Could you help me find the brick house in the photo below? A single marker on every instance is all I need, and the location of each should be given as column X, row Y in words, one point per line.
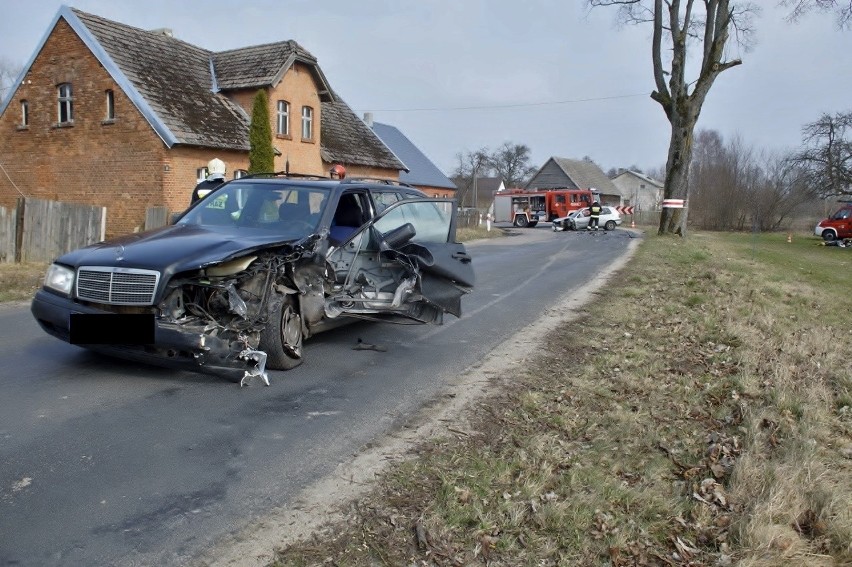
column 109, row 114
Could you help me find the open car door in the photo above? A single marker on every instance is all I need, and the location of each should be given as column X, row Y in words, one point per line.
column 404, row 263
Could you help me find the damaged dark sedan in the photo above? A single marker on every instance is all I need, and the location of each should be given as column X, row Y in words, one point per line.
column 238, row 282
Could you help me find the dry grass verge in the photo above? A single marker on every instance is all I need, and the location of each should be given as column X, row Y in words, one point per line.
column 699, row 414
column 19, row 282
column 466, row 234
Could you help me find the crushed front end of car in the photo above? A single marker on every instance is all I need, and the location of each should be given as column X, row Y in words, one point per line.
column 209, row 318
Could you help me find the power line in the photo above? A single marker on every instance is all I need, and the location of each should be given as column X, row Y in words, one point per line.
column 515, row 105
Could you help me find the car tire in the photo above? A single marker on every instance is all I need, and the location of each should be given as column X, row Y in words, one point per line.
column 829, row 236
column 282, row 337
column 610, row 225
column 521, row 221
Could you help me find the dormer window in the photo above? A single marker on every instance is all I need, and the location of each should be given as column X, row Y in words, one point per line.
column 283, row 124
column 25, row 113
column 110, row 105
column 307, row 123
column 66, row 104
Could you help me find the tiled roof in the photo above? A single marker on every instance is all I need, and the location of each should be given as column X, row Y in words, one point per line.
column 421, row 170
column 585, row 174
column 641, row 176
column 346, row 139
column 581, row 173
column 263, row 65
column 173, row 78
column 178, row 88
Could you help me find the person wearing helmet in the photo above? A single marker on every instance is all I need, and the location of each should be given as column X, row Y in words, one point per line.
column 337, row 171
column 215, row 177
column 595, row 212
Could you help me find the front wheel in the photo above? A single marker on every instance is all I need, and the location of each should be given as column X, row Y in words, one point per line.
column 610, row 225
column 828, row 236
column 282, row 337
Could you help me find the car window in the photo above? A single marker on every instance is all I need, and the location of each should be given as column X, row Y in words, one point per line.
column 431, row 220
column 385, row 199
column 842, row 214
column 293, row 211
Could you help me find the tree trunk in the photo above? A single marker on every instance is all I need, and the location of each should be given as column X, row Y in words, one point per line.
column 673, row 221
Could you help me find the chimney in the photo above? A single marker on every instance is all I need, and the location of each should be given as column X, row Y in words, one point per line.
column 368, row 119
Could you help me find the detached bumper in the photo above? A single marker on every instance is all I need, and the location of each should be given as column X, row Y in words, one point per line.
column 173, row 346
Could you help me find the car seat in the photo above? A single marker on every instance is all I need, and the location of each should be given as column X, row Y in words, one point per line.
column 347, row 219
column 298, row 211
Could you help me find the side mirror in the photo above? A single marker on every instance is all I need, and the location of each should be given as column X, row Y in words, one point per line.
column 174, row 217
column 399, row 236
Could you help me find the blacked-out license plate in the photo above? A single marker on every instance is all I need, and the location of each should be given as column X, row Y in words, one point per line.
column 112, row 329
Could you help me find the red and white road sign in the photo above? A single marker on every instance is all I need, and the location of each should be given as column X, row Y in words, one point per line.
column 673, row 203
column 625, row 209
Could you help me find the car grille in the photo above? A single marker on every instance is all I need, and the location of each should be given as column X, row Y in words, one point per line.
column 117, row 286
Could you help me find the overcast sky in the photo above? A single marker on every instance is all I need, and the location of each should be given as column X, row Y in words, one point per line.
column 458, row 75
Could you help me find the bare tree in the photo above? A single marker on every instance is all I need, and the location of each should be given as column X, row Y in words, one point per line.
column 470, row 165
column 842, row 9
column 9, row 71
column 679, row 25
column 511, row 162
column 826, row 155
column 735, row 187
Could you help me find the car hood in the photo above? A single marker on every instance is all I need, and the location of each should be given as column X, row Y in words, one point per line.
column 172, row 249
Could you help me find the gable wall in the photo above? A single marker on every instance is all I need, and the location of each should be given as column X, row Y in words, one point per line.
column 299, row 89
column 647, row 198
column 551, row 176
column 118, row 165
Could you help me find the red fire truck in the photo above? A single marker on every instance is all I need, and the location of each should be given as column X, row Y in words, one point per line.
column 527, row 208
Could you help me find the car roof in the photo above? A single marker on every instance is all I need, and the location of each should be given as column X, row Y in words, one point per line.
column 373, row 183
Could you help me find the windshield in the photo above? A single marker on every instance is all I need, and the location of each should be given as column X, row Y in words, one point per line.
column 291, row 211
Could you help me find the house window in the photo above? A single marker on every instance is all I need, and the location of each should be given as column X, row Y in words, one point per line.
column 283, row 128
column 307, row 123
column 66, row 104
column 240, row 173
column 200, row 174
column 110, row 105
column 25, row 113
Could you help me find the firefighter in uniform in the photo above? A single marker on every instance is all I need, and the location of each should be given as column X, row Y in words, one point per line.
column 595, row 213
column 215, row 177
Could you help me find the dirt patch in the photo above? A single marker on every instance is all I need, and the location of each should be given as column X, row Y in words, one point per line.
column 326, row 501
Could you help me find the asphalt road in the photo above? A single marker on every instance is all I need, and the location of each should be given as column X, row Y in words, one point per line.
column 104, row 462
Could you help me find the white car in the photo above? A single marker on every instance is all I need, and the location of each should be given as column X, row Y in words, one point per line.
column 563, row 223
column 579, row 220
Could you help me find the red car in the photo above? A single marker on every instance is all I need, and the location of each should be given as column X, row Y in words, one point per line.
column 837, row 226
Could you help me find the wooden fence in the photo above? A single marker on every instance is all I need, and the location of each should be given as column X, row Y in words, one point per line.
column 8, row 232
column 155, row 217
column 39, row 231
column 52, row 228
